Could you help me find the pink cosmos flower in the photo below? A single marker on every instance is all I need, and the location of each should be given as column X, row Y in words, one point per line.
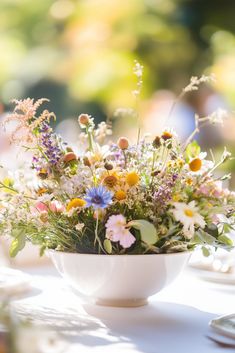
column 126, row 239
column 41, row 207
column 56, row 206
column 117, row 231
column 204, row 189
column 116, row 223
column 113, row 236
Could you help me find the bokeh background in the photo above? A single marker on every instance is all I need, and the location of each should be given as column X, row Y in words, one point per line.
column 80, row 55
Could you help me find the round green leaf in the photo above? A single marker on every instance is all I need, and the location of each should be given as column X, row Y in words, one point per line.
column 147, row 230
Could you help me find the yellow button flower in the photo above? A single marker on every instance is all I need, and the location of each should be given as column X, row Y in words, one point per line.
column 195, row 165
column 75, row 203
column 189, row 181
column 120, row 195
column 180, row 162
column 132, row 178
column 176, row 197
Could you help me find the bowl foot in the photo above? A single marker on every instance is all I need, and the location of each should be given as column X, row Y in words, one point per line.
column 122, row 303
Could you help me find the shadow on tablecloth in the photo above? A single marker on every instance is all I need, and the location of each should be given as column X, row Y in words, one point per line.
column 156, row 328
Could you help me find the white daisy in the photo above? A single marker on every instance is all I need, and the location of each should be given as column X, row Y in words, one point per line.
column 188, row 215
column 199, row 165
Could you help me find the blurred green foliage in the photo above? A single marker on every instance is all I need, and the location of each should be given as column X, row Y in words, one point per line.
column 80, row 53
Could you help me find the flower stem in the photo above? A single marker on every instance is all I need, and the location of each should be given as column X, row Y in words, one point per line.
column 180, row 96
column 125, row 158
column 97, row 239
column 2, row 185
column 90, row 139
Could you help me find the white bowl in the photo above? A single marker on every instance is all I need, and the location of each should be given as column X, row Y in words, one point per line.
column 119, row 280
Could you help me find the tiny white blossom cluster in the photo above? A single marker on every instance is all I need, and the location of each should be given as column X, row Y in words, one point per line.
column 138, row 71
column 196, row 81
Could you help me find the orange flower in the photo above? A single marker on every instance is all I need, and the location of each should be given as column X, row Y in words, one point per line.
column 42, row 191
column 132, row 178
column 74, row 203
column 195, row 165
column 166, row 135
column 120, row 195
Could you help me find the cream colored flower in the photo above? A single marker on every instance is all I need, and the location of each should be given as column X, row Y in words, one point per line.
column 189, row 216
column 79, row 226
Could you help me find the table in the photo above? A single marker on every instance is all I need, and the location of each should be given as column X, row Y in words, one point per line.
column 175, row 321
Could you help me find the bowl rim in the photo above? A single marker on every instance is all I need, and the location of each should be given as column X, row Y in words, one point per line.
column 53, row 251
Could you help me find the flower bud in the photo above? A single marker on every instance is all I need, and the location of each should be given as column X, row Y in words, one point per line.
column 157, row 142
column 70, row 156
column 86, row 162
column 108, row 166
column 155, row 173
column 84, row 119
column 43, row 174
column 123, row 143
column 69, row 149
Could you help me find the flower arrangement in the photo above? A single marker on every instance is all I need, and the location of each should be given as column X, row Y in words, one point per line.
column 153, row 196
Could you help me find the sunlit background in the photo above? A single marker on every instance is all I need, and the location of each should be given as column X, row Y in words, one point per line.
column 80, row 54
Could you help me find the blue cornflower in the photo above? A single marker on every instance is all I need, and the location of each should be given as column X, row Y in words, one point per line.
column 98, row 197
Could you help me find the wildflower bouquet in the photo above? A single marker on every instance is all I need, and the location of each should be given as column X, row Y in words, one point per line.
column 154, row 196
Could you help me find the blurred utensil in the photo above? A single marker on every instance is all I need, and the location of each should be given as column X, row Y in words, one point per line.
column 219, row 267
column 223, row 330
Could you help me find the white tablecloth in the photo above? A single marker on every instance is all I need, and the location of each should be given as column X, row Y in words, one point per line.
column 175, row 321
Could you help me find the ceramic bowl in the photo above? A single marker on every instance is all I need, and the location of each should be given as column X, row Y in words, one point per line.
column 119, row 280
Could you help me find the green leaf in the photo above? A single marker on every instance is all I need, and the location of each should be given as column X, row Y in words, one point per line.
column 205, row 237
column 147, row 230
column 226, row 240
column 108, row 246
column 172, row 246
column 192, row 150
column 205, row 251
column 212, row 230
column 18, row 243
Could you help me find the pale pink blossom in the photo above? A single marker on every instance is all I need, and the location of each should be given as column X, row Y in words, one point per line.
column 117, row 231
column 126, row 239
column 26, row 121
column 116, row 223
column 113, row 236
column 56, row 206
column 41, row 207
